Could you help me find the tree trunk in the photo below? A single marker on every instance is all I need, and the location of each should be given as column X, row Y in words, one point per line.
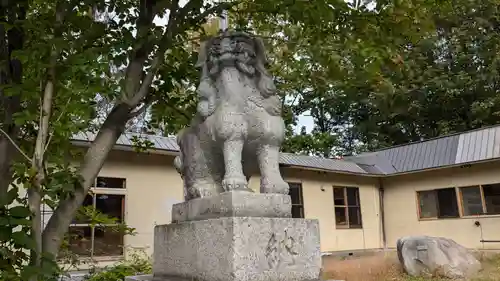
column 137, row 86
column 35, row 192
column 92, row 163
column 11, row 72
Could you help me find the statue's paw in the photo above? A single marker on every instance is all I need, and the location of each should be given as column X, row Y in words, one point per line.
column 230, row 184
column 207, row 190
column 278, row 186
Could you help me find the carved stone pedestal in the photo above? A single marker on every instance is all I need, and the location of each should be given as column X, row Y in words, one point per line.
column 239, row 249
column 233, row 204
column 235, row 248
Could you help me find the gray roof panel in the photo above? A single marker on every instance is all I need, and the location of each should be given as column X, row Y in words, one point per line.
column 496, row 143
column 170, row 144
column 478, row 145
column 467, row 147
column 320, row 163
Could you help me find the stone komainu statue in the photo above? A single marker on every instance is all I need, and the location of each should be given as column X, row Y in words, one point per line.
column 238, row 128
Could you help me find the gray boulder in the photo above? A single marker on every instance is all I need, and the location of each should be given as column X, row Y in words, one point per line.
column 436, row 256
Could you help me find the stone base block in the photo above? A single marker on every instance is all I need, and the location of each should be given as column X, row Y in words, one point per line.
column 233, row 204
column 146, row 277
column 150, row 278
column 238, row 249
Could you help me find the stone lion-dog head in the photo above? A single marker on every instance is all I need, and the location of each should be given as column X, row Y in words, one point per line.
column 231, row 48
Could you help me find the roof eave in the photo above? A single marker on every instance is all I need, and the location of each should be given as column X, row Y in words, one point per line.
column 442, row 167
column 128, row 148
column 82, row 143
column 331, row 171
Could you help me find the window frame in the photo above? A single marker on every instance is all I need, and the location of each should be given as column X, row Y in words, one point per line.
column 457, row 199
column 94, row 192
column 346, row 207
column 483, row 201
column 301, row 198
column 460, row 202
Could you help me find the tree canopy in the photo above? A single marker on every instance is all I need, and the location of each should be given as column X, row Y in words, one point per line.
column 390, row 72
column 369, row 73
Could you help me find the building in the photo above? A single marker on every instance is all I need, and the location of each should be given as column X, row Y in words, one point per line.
column 448, row 186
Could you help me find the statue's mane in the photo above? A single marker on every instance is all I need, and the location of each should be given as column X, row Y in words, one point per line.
column 257, row 60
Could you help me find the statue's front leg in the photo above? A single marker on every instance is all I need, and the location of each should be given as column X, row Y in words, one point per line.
column 234, row 179
column 271, row 180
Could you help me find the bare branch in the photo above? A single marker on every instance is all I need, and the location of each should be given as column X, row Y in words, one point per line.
column 166, row 42
column 15, row 145
column 57, row 121
column 140, row 110
column 158, row 58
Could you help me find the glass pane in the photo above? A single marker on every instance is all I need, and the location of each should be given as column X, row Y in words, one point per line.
column 340, row 216
column 447, row 203
column 471, row 200
column 106, row 182
column 428, row 204
column 80, row 242
column 111, row 205
column 354, row 217
column 338, row 196
column 352, row 196
column 108, row 242
column 297, row 211
column 80, row 215
column 492, row 198
column 295, row 193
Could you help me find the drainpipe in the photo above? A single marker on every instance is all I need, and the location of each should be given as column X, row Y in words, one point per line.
column 382, row 214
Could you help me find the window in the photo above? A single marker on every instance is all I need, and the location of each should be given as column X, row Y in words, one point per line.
column 438, row 203
column 427, row 202
column 100, row 240
column 492, row 198
column 297, row 201
column 447, row 203
column 347, row 207
column 475, row 200
column 471, row 200
column 106, row 182
column 481, row 199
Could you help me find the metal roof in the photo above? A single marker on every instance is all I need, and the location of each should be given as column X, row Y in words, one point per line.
column 461, row 148
column 169, row 144
column 159, row 142
column 320, row 163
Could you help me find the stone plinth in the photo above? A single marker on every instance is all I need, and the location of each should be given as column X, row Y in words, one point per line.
column 149, row 277
column 233, row 204
column 238, row 249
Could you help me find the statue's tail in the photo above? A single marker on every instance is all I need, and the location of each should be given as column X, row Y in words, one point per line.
column 178, row 164
column 178, row 158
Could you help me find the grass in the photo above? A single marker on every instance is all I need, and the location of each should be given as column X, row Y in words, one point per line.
column 385, row 267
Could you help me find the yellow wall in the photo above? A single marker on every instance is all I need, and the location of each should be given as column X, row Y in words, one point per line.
column 317, row 193
column 400, row 205
column 153, row 185
column 318, row 204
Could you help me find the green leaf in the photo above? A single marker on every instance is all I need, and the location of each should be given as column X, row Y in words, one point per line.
column 5, row 233
column 20, row 222
column 20, row 212
column 30, row 271
column 23, row 240
column 12, row 195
